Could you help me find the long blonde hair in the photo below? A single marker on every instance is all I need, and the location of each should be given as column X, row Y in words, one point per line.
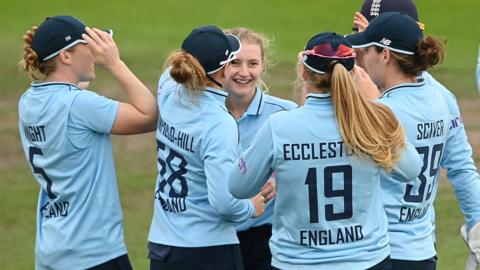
column 368, row 128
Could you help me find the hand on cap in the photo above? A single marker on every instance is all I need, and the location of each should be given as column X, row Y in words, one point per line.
column 269, row 189
column 365, row 84
column 360, row 21
column 259, row 203
column 104, row 49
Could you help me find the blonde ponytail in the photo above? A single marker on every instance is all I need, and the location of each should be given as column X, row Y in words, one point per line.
column 369, row 129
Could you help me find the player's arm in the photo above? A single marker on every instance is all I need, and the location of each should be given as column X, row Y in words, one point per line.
column 140, row 114
column 254, row 167
column 219, row 153
column 461, row 169
column 409, row 166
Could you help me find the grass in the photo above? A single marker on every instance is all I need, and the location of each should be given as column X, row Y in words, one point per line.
column 146, row 31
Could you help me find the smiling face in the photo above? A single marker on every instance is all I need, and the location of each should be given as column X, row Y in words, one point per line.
column 243, row 74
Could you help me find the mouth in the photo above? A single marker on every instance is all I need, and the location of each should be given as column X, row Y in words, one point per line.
column 242, row 81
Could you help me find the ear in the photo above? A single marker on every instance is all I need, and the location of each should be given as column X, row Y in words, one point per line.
column 65, row 57
column 386, row 56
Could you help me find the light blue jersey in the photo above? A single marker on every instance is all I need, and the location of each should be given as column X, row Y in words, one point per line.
column 261, row 107
column 65, row 137
column 457, row 159
column 197, row 142
column 431, row 119
column 328, row 211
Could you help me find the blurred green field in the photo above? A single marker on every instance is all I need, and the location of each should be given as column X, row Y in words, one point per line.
column 145, row 32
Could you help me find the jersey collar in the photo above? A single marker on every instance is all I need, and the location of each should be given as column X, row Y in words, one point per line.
column 39, row 85
column 215, row 94
column 256, row 106
column 314, row 99
column 420, row 82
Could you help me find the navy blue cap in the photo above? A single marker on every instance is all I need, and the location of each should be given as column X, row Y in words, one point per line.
column 325, row 49
column 211, row 47
column 57, row 34
column 373, row 8
column 395, row 31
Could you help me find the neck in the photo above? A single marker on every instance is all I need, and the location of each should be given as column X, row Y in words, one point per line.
column 238, row 104
column 312, row 88
column 213, row 81
column 393, row 79
column 61, row 77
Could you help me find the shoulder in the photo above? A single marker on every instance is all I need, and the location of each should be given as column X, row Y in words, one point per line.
column 284, row 116
column 278, row 103
column 166, row 84
column 215, row 118
column 87, row 98
column 432, row 82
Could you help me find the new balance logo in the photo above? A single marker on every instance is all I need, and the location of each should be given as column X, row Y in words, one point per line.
column 385, row 41
column 67, row 38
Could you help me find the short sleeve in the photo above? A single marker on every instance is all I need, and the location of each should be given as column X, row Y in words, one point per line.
column 93, row 112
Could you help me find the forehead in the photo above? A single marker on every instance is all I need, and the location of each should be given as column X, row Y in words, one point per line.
column 250, row 51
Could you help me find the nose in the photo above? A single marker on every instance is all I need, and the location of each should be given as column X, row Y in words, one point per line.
column 243, row 70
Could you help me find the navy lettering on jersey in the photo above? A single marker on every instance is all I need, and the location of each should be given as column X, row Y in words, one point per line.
column 36, row 133
column 337, row 236
column 55, row 209
column 408, row 214
column 314, row 151
column 175, row 182
column 178, row 137
column 430, row 130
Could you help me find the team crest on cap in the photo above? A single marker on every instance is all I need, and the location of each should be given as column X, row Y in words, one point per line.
column 385, row 41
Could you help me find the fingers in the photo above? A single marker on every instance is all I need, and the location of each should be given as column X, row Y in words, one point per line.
column 104, row 36
column 360, row 16
column 93, row 35
column 269, row 190
column 360, row 21
column 91, row 38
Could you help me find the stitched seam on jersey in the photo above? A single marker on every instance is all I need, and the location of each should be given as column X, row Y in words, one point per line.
column 55, row 83
column 419, row 84
column 260, row 102
column 283, row 108
column 218, row 94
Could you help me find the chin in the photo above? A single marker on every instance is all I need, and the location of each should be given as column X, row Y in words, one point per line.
column 243, row 89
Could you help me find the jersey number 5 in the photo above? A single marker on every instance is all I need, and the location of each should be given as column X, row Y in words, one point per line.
column 32, row 151
column 329, row 192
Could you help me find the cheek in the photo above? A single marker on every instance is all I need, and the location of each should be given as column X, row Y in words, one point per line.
column 256, row 72
column 229, row 72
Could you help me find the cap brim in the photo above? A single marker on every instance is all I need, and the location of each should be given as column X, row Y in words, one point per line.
column 358, row 40
column 109, row 32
